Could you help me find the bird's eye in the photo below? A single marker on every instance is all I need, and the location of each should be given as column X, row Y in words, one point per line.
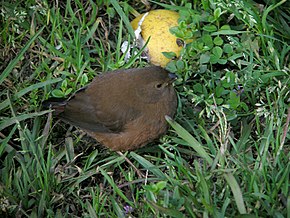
column 158, row 85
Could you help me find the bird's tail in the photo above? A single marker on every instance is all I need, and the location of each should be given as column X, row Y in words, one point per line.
column 57, row 104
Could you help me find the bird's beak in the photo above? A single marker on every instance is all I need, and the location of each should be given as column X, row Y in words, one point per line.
column 172, row 77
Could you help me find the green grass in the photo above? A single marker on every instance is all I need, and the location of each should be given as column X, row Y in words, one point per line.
column 226, row 153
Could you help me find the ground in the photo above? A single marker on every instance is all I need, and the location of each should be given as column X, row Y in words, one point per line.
column 227, row 149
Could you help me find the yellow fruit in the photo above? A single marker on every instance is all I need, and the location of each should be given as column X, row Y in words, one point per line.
column 157, row 24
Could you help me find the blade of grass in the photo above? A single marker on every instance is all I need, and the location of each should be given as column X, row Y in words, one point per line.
column 12, row 64
column 228, row 32
column 149, row 166
column 123, row 17
column 119, row 212
column 118, row 46
column 167, row 211
column 132, row 60
column 267, row 11
column 92, row 30
column 13, row 120
column 203, row 184
column 236, row 192
column 169, row 7
column 190, row 140
column 4, row 143
column 29, row 89
column 288, row 206
column 114, row 186
column 91, row 210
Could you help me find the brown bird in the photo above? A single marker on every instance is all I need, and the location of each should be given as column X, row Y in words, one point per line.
column 122, row 109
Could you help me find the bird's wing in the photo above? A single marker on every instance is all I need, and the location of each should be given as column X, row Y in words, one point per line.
column 98, row 112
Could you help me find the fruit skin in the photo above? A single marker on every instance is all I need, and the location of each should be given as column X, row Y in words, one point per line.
column 157, row 24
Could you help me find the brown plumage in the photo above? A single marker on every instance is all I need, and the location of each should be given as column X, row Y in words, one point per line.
column 122, row 109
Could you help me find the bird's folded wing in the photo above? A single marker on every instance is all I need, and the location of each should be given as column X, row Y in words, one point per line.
column 96, row 114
